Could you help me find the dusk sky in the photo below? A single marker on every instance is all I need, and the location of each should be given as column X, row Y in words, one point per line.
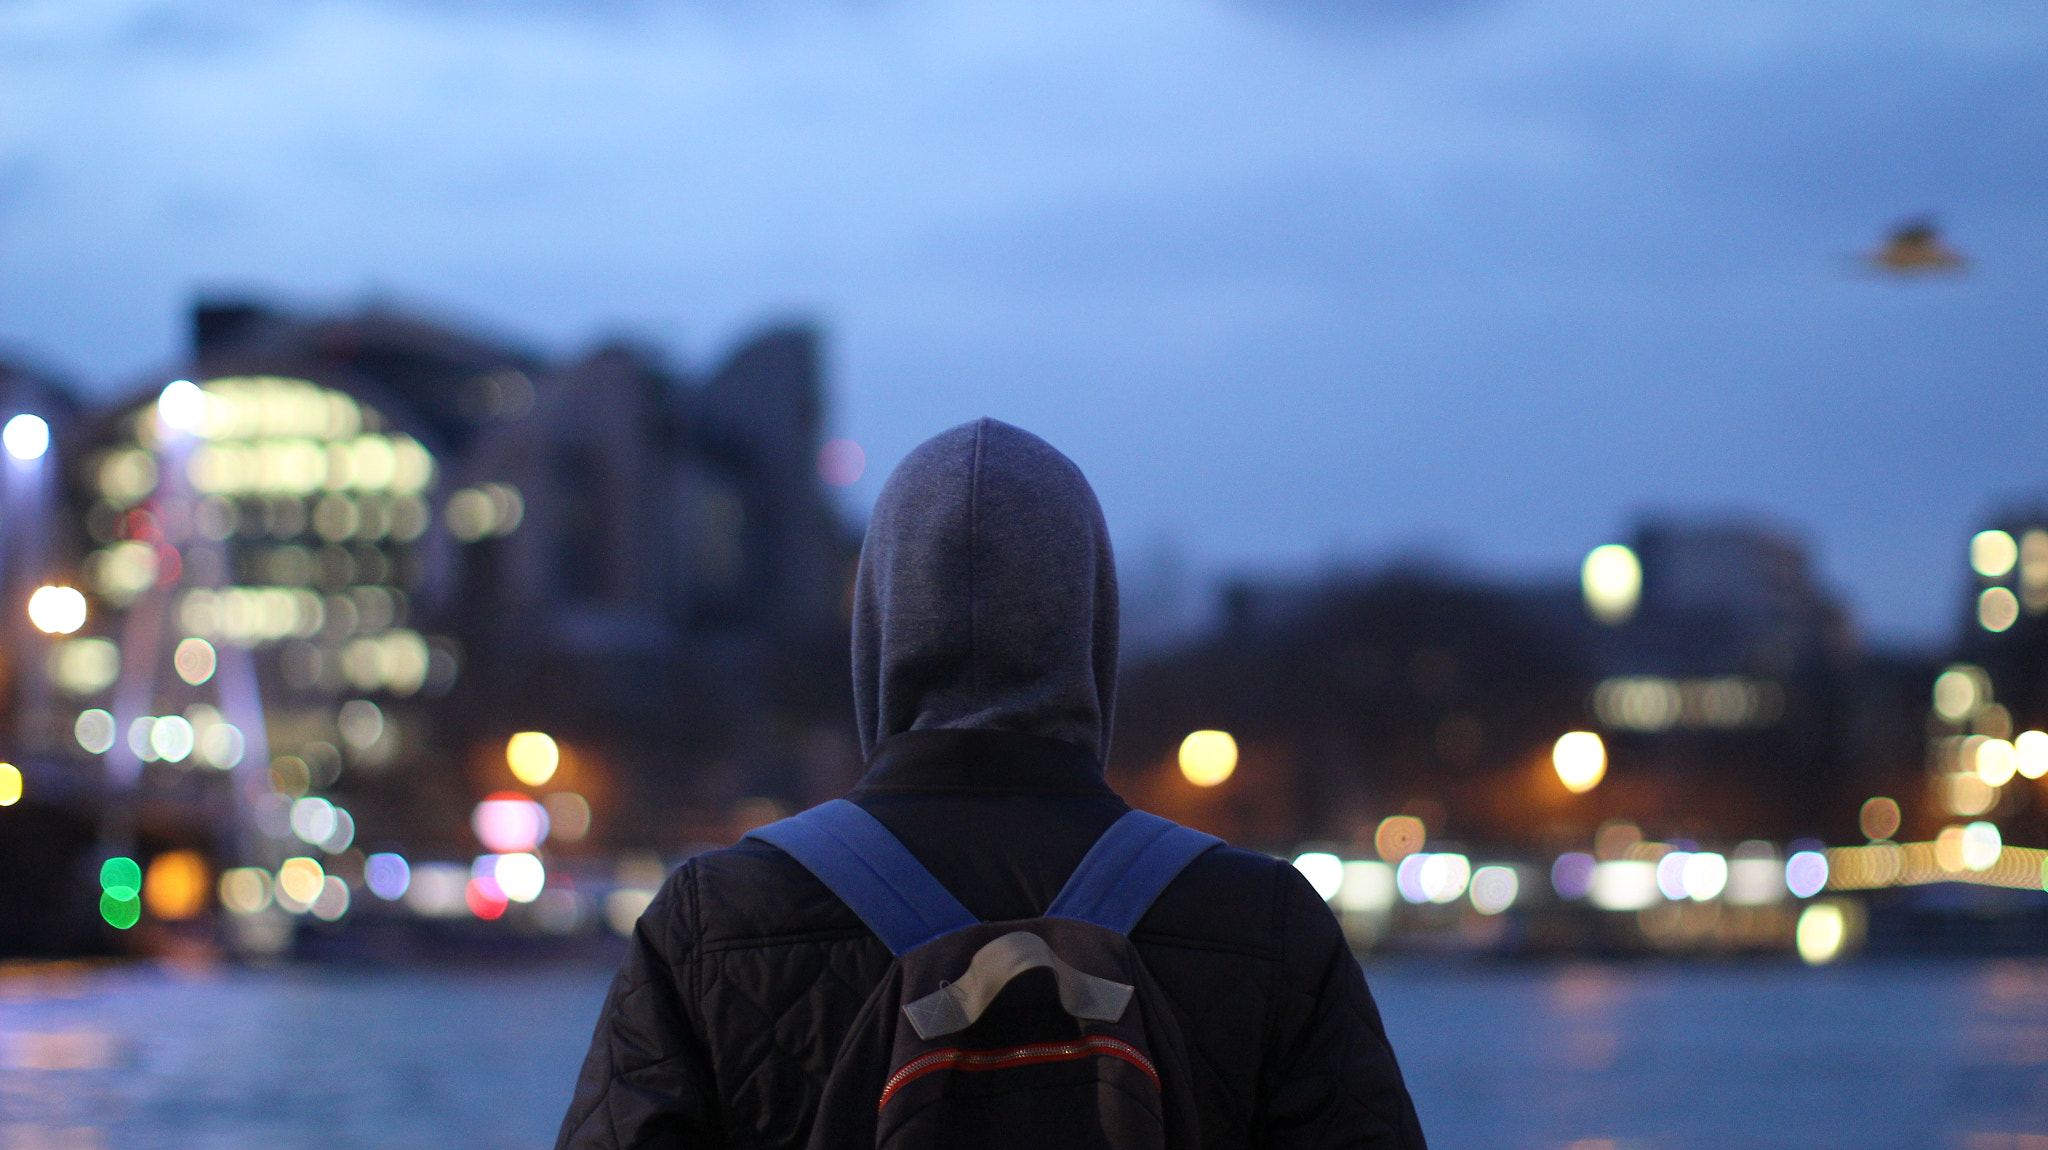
column 1296, row 282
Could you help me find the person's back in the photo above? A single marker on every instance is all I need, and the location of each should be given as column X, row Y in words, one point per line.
column 984, row 665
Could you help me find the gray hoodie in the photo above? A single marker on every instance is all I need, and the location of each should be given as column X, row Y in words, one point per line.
column 986, row 596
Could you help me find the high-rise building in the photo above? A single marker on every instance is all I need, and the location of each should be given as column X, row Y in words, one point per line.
column 334, row 563
column 1988, row 707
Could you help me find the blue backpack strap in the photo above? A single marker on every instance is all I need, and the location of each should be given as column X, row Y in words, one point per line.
column 1127, row 869
column 871, row 871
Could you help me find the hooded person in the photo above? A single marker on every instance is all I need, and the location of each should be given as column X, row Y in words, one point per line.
column 984, row 672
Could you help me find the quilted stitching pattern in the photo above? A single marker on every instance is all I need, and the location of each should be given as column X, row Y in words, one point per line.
column 724, row 1023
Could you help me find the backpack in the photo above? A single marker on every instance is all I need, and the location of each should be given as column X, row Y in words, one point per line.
column 1042, row 1032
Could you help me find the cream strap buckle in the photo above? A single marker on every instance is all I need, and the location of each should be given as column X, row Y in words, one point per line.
column 955, row 1006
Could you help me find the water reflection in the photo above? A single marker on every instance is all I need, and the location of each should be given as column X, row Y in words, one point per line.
column 1588, row 1056
column 1699, row 1056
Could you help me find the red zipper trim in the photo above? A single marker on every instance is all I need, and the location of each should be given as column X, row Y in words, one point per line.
column 953, row 1058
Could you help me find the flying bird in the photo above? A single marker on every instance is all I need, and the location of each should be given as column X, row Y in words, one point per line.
column 1915, row 248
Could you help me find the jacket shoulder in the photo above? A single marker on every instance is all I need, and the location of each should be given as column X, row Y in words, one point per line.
column 754, row 893
column 1227, row 899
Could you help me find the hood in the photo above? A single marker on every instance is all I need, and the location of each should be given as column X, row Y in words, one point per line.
column 986, row 597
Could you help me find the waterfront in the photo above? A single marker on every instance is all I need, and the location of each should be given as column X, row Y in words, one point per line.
column 1648, row 1056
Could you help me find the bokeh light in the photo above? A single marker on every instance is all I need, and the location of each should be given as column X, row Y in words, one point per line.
column 222, row 745
column 313, row 820
column 520, row 876
column 533, row 757
column 1443, row 877
column 1968, row 794
column 1408, row 879
column 85, row 666
column 181, row 405
column 299, row 882
column 387, row 875
column 57, row 610
column 1612, row 580
column 361, row 723
column 1368, row 887
column 1996, row 762
column 1755, row 876
column 1822, row 930
column 1806, row 872
column 484, row 899
column 94, row 730
column 1997, row 609
column 343, row 834
column 1981, row 846
column 484, row 872
column 1571, row 876
column 623, row 908
column 1879, row 818
column 1625, row 884
column 194, row 660
column 1494, row 889
column 1207, row 758
column 508, row 821
column 170, row 738
column 121, row 877
column 120, row 892
column 1323, row 870
column 1993, row 553
column 1580, row 759
column 120, row 913
column 332, row 900
column 176, row 886
column 2030, row 753
column 1399, row 836
column 492, row 509
column 10, row 784
column 1960, row 690
column 1705, row 876
column 1948, row 849
column 1671, row 874
column 245, row 890
column 26, row 436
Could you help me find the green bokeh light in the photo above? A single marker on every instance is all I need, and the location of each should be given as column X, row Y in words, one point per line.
column 121, row 879
column 120, row 912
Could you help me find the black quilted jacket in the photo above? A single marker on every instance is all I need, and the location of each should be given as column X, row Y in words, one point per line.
column 745, row 972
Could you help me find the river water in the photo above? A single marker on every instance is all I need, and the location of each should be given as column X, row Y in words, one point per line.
column 1578, row 1056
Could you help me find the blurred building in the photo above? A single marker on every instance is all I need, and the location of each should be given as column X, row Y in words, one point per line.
column 2003, row 623
column 49, row 826
column 356, row 553
column 1723, row 681
column 1987, row 710
column 1726, row 692
column 1350, row 698
column 649, row 568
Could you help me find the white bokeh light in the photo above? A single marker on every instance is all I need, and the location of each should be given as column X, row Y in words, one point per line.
column 181, row 405
column 27, row 437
